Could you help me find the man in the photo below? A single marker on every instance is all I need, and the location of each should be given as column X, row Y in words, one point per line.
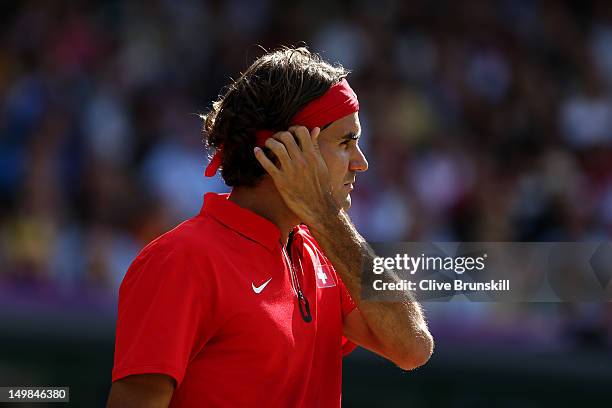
column 254, row 301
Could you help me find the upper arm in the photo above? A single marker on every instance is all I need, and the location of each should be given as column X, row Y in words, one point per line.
column 163, row 292
column 141, row 391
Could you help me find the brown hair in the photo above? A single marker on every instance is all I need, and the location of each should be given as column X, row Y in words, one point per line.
column 266, row 96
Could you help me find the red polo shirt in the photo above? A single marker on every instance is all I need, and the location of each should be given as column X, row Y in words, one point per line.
column 212, row 304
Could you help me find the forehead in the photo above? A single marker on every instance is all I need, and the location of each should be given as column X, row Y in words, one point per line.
column 341, row 127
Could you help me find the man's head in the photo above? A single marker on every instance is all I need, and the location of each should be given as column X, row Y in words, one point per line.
column 267, row 96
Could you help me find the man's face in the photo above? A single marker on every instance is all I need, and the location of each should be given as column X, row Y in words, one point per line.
column 339, row 148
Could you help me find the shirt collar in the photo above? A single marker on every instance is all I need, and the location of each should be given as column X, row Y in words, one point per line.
column 243, row 221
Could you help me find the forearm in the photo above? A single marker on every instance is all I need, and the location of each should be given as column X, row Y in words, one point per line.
column 399, row 326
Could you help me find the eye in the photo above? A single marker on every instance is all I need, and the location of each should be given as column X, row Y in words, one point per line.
column 349, row 140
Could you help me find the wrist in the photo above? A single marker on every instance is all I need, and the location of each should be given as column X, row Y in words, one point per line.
column 329, row 214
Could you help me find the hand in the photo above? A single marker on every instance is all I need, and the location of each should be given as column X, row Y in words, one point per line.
column 301, row 177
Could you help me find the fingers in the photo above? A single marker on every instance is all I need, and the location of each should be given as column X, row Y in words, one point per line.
column 290, row 144
column 305, row 137
column 287, row 151
column 280, row 151
column 265, row 162
column 315, row 137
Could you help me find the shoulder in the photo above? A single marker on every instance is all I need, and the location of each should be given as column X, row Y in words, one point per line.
column 305, row 233
column 307, row 237
column 190, row 238
column 175, row 268
column 182, row 251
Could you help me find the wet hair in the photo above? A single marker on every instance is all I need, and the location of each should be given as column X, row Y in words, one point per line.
column 267, row 95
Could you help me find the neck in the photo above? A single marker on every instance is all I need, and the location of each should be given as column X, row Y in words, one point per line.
column 265, row 201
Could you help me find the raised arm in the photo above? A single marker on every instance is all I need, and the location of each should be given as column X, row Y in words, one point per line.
column 396, row 330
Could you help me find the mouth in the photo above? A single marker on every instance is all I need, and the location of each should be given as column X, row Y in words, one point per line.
column 349, row 185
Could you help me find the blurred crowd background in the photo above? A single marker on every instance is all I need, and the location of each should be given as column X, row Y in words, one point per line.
column 482, row 121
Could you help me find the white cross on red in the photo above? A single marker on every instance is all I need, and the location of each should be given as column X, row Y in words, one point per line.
column 322, row 276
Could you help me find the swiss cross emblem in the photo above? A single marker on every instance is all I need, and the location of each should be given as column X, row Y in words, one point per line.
column 322, row 271
column 323, row 274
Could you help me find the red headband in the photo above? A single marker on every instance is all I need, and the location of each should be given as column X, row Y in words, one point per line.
column 339, row 100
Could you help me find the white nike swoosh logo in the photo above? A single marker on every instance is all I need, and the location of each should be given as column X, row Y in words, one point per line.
column 258, row 289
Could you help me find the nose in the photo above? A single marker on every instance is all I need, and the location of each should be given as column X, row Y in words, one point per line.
column 358, row 162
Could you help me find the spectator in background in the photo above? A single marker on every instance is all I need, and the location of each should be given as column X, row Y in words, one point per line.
column 497, row 100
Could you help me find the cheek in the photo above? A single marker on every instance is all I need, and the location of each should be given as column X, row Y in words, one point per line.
column 336, row 160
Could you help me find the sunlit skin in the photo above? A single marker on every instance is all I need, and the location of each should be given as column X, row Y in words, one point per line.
column 339, row 146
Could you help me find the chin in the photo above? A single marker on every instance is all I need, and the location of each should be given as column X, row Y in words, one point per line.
column 343, row 200
column 345, row 203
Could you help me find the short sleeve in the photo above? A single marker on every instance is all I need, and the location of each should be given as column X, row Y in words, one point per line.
column 165, row 314
column 347, row 305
